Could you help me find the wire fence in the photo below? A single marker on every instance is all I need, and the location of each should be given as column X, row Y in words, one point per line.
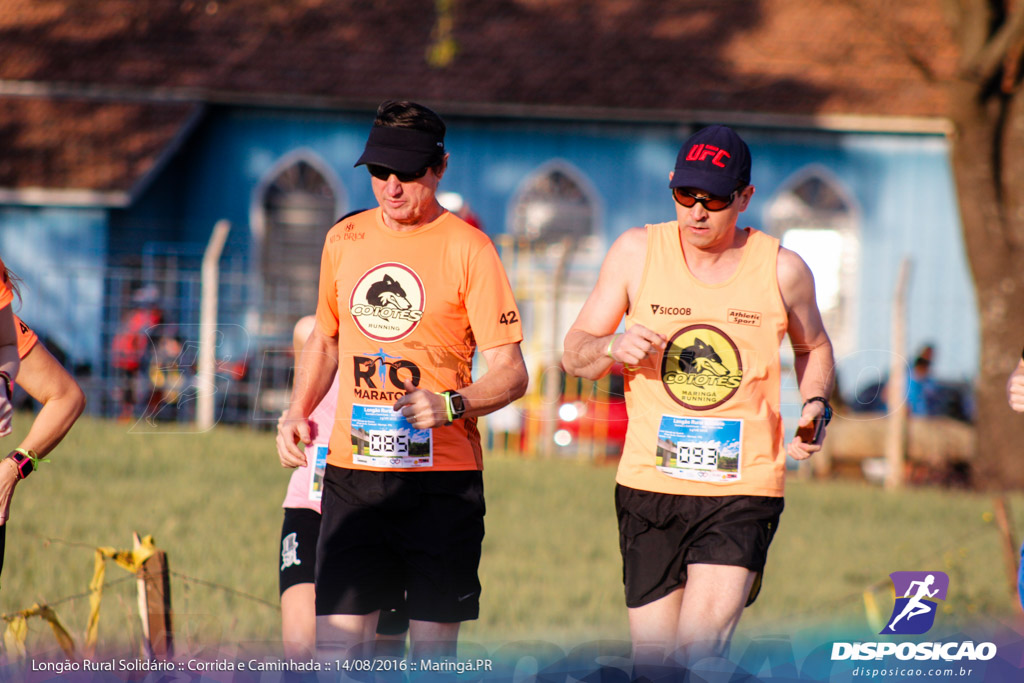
column 76, row 642
column 136, row 355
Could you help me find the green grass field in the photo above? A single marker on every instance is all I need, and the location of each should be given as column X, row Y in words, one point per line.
column 550, row 567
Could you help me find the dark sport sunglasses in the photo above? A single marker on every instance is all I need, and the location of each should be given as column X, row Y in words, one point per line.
column 708, row 201
column 382, row 173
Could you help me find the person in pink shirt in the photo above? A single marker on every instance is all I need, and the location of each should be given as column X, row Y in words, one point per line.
column 301, row 529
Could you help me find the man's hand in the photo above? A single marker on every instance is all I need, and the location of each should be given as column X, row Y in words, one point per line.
column 636, row 344
column 1015, row 388
column 291, row 431
column 796, row 448
column 423, row 409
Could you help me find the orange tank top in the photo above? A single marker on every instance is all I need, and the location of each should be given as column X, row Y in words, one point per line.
column 704, row 419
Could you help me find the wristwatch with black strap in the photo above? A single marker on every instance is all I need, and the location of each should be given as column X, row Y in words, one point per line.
column 454, row 404
column 827, row 415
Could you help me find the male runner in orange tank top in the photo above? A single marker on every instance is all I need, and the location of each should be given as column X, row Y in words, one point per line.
column 700, row 483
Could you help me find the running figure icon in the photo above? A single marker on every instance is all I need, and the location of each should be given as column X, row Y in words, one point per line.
column 915, row 605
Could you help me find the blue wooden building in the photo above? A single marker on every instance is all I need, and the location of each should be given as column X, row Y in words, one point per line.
column 122, row 152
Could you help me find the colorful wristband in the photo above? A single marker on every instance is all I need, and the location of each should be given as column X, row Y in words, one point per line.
column 609, row 351
column 26, row 460
column 448, row 411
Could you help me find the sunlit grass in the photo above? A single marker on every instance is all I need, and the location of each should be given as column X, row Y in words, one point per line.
column 550, row 569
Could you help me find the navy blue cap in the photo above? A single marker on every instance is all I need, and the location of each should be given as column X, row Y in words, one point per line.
column 403, row 150
column 714, row 159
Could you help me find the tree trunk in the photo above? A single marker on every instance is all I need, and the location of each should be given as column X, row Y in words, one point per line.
column 988, row 166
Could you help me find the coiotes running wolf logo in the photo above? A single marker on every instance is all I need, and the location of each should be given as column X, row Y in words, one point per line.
column 387, row 302
column 701, row 368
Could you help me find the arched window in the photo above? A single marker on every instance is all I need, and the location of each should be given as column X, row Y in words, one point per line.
column 554, row 203
column 814, row 216
column 297, row 204
column 554, row 224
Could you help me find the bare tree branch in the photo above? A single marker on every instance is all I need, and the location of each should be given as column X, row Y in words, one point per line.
column 989, row 59
column 970, row 21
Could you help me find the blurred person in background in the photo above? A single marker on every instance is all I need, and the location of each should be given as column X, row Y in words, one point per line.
column 457, row 204
column 130, row 353
column 300, row 531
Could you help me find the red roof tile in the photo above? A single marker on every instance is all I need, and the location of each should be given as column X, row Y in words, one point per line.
column 83, row 144
column 769, row 57
column 778, row 56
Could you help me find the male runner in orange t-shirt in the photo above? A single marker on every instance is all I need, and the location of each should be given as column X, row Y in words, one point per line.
column 700, row 482
column 408, row 293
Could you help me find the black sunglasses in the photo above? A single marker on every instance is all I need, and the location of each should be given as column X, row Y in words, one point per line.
column 708, row 201
column 383, row 173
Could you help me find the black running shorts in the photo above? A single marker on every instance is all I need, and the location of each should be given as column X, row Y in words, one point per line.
column 299, row 533
column 661, row 534
column 385, row 534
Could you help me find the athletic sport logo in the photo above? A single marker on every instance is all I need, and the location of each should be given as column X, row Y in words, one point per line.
column 290, row 551
column 701, row 368
column 914, row 613
column 387, row 302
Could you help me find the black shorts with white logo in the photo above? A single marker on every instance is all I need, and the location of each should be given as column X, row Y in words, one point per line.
column 385, row 534
column 299, row 533
column 661, row 534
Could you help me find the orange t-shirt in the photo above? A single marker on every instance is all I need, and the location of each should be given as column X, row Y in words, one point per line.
column 6, row 293
column 409, row 306
column 26, row 337
column 704, row 419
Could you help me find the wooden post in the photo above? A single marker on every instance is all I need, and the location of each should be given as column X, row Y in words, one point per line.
column 896, row 390
column 1010, row 550
column 206, row 372
column 154, row 581
column 552, row 376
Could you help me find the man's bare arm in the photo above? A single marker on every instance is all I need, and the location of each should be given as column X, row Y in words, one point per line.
column 591, row 345
column 504, row 381
column 812, row 349
column 313, row 376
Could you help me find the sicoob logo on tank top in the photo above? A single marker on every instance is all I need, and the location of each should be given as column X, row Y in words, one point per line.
column 387, row 302
column 701, row 368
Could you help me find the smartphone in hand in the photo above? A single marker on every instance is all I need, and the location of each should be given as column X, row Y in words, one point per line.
column 812, row 433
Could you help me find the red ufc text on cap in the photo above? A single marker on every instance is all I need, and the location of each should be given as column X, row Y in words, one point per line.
column 701, row 152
